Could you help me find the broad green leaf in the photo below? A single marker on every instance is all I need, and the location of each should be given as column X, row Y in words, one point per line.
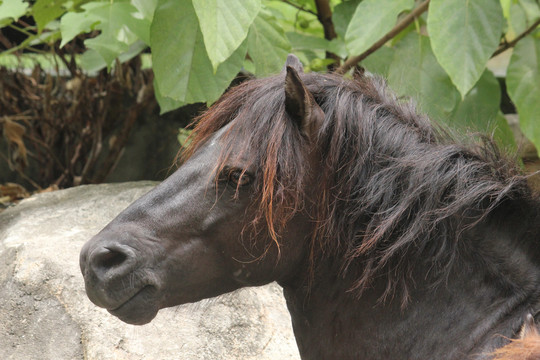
column 517, row 21
column 92, row 61
column 505, row 6
column 11, row 10
column 108, row 47
column 342, row 15
column 479, row 111
column 502, row 133
column 249, row 66
column 119, row 29
column 531, row 8
column 523, row 83
column 75, row 23
column 480, row 106
column 415, row 72
column 379, row 62
column 303, row 42
column 319, row 64
column 464, row 34
column 224, row 25
column 371, row 20
column 45, row 11
column 166, row 104
column 145, row 7
column 267, row 45
column 118, row 21
column 181, row 65
column 183, row 136
column 523, row 13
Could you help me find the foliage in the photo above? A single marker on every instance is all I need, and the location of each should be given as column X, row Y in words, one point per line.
column 199, row 46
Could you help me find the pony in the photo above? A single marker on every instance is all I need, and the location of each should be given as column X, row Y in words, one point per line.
column 391, row 239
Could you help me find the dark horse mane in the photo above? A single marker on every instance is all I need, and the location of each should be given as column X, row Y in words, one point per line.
column 393, row 186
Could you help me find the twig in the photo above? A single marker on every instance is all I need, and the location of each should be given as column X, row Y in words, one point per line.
column 69, row 64
column 4, row 41
column 301, row 8
column 22, row 30
column 22, row 174
column 507, row 45
column 406, row 21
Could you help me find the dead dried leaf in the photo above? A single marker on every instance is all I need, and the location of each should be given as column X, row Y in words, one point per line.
column 13, row 192
column 13, row 133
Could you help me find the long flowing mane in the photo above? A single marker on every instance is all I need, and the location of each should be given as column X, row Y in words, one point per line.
column 392, row 185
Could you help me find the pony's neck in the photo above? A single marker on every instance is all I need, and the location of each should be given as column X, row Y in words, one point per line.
column 480, row 303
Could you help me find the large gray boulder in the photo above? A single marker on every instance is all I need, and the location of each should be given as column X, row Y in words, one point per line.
column 45, row 314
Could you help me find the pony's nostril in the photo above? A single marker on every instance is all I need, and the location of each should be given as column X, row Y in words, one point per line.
column 108, row 259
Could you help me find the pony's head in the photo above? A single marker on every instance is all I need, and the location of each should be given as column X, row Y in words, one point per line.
column 234, row 214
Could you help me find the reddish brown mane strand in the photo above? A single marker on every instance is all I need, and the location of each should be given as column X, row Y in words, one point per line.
column 270, row 142
column 527, row 348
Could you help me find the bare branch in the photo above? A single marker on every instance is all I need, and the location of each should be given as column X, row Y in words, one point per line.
column 406, row 21
column 301, row 8
column 507, row 45
column 324, row 14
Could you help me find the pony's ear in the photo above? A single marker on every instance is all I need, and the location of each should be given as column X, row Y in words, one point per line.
column 294, row 62
column 300, row 104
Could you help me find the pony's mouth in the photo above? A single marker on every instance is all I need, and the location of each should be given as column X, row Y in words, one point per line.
column 139, row 309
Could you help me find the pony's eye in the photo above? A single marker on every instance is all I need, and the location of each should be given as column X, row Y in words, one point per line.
column 239, row 177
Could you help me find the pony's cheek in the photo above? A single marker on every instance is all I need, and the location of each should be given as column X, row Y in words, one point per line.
column 193, row 271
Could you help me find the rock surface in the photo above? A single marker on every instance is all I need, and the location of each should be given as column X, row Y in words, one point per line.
column 45, row 314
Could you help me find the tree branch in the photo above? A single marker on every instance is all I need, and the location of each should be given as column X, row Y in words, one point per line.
column 324, row 14
column 507, row 45
column 301, row 8
column 406, row 21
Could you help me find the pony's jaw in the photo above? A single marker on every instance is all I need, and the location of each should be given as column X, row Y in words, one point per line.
column 146, row 276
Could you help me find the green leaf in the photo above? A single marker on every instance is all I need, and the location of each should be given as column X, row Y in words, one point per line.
column 479, row 108
column 109, row 48
column 145, row 7
column 523, row 83
column 181, row 65
column 92, row 61
column 301, row 42
column 479, row 111
column 464, row 34
column 379, row 62
column 11, row 10
column 517, row 20
column 166, row 104
column 75, row 23
column 183, row 136
column 45, row 11
column 267, row 45
column 502, row 133
column 505, row 6
column 415, row 72
column 342, row 15
column 532, row 10
column 119, row 29
column 371, row 21
column 224, row 25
